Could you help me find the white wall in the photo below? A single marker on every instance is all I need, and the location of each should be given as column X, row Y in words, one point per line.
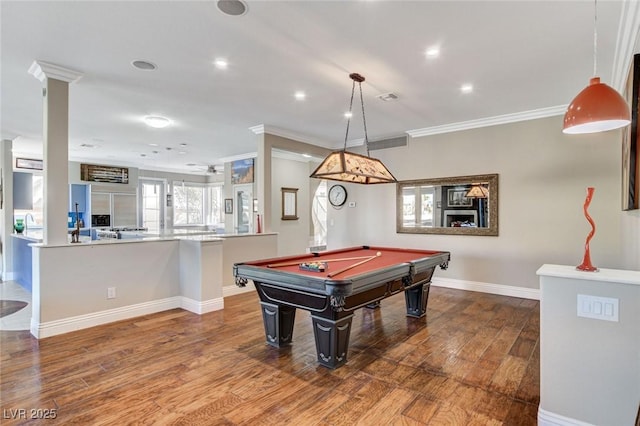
column 293, row 234
column 543, row 176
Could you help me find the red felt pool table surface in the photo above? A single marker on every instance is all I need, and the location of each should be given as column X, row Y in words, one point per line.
column 388, row 257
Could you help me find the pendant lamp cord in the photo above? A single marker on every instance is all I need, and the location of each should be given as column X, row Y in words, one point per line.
column 595, row 38
column 353, row 88
column 356, row 77
column 364, row 120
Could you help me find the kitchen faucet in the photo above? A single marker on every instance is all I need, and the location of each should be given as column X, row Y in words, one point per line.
column 26, row 222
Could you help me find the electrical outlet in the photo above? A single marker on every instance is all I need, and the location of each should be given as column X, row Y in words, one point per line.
column 111, row 293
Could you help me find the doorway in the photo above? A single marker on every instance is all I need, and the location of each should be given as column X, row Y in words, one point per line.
column 152, row 211
column 243, row 208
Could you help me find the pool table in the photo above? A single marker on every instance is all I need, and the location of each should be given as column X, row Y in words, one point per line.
column 331, row 285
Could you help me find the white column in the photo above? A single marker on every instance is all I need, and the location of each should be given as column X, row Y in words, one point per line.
column 55, row 147
column 6, row 209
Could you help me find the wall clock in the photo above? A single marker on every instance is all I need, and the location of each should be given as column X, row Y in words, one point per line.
column 337, row 195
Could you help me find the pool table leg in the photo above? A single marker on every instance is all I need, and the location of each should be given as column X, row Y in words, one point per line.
column 332, row 340
column 416, row 299
column 278, row 323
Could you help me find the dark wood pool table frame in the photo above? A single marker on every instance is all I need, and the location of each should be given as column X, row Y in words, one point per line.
column 332, row 301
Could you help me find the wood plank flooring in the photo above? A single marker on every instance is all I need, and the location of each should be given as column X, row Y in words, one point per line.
column 474, row 360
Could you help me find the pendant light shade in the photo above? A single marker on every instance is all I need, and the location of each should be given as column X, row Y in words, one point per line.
column 477, row 191
column 347, row 166
column 597, row 108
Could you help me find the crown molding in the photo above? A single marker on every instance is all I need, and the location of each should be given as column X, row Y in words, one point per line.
column 233, row 158
column 43, row 70
column 489, row 121
column 626, row 44
column 283, row 133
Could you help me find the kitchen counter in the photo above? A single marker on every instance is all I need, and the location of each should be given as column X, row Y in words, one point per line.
column 36, row 236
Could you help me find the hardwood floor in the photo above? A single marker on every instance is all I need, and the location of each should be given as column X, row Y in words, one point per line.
column 473, row 361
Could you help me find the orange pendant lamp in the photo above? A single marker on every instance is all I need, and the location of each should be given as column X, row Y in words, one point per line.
column 598, row 107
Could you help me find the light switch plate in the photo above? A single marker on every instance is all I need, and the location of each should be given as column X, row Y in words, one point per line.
column 596, row 307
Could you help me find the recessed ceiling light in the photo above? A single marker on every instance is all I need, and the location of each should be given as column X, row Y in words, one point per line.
column 183, row 144
column 156, row 121
column 191, row 164
column 306, row 155
column 348, row 114
column 221, row 63
column 143, row 155
column 153, row 144
column 466, row 88
column 144, row 65
column 87, row 145
column 432, row 52
column 232, row 7
column 299, row 95
column 182, row 152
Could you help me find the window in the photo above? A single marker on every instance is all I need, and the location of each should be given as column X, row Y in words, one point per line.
column 319, row 214
column 215, row 206
column 188, row 203
column 198, row 204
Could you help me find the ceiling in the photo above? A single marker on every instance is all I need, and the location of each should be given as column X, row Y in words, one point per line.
column 529, row 57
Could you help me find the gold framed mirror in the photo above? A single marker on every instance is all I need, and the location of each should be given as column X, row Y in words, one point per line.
column 289, row 203
column 458, row 205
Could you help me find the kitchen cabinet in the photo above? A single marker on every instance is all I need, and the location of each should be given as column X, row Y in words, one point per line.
column 124, row 210
column 22, row 191
column 122, row 207
column 100, row 203
column 78, row 194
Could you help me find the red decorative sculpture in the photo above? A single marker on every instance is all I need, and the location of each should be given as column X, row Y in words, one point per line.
column 586, row 262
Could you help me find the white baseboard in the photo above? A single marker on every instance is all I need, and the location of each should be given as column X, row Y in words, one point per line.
column 232, row 290
column 66, row 325
column 547, row 418
column 503, row 290
column 202, row 307
column 8, row 276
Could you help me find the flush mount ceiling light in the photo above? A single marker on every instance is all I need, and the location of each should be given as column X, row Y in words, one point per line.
column 598, row 107
column 156, row 121
column 346, row 166
column 300, row 95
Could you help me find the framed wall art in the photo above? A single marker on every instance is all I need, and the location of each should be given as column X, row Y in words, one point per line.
column 630, row 151
column 242, row 171
column 105, row 174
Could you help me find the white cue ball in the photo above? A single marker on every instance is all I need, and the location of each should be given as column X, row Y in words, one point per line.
column 379, row 254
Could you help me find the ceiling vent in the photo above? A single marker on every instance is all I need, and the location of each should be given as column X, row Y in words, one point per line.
column 388, row 143
column 144, row 65
column 388, row 97
column 232, row 7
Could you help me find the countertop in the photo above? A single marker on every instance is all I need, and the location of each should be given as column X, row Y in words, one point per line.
column 35, row 236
